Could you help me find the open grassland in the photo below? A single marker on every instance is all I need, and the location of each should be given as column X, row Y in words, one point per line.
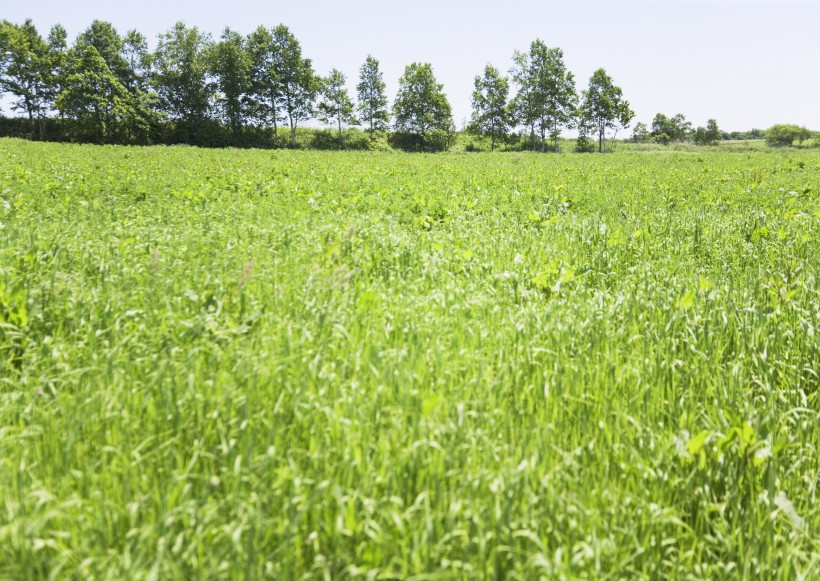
column 228, row 364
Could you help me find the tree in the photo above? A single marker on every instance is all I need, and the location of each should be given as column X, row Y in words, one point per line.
column 230, row 64
column 26, row 62
column 109, row 46
column 709, row 135
column 548, row 98
column 263, row 97
column 372, row 98
column 139, row 61
column 335, row 106
column 490, row 108
column 785, row 135
column 181, row 74
column 641, row 133
column 713, row 132
column 524, row 106
column 667, row 129
column 128, row 60
column 297, row 83
column 99, row 102
column 55, row 66
column 421, row 108
column 603, row 107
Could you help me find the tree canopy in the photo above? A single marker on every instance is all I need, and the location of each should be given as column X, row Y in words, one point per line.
column 192, row 88
column 546, row 101
column 372, row 98
column 335, row 106
column 603, row 108
column 421, row 108
column 491, row 112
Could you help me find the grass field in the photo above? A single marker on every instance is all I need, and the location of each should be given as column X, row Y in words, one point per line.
column 246, row 364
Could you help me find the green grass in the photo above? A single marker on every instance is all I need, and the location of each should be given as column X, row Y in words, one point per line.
column 244, row 364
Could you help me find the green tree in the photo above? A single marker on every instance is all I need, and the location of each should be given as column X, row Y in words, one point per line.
column 490, row 114
column 661, row 129
column 55, row 66
column 785, row 135
column 335, row 106
column 138, row 59
column 372, row 98
column 230, row 64
column 524, row 106
column 263, row 100
column 99, row 102
column 709, row 135
column 667, row 129
column 181, row 76
column 603, row 107
column 26, row 66
column 549, row 100
column 641, row 133
column 297, row 83
column 713, row 132
column 128, row 60
column 421, row 109
column 110, row 47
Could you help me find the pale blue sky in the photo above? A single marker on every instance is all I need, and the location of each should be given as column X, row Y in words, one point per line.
column 745, row 63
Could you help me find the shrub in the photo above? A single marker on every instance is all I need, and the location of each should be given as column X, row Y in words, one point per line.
column 584, row 144
column 786, row 135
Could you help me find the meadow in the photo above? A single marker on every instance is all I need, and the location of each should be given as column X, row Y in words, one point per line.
column 224, row 364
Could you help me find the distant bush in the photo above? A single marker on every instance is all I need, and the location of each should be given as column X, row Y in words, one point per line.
column 810, row 143
column 438, row 140
column 584, row 144
column 786, row 135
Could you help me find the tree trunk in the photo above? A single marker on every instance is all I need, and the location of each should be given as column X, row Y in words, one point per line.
column 29, row 110
column 340, row 133
column 275, row 123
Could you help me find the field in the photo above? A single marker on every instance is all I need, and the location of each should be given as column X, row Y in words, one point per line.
column 272, row 364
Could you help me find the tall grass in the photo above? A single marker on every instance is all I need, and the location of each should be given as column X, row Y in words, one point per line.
column 224, row 364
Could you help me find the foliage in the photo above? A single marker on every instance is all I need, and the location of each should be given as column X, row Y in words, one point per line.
column 297, row 84
column 670, row 129
column 786, row 135
column 640, row 134
column 101, row 105
column 423, row 116
column 745, row 135
column 181, row 76
column 335, row 106
column 29, row 68
column 491, row 114
column 293, row 365
column 546, row 100
column 230, row 64
column 104, row 81
column 603, row 108
column 263, row 97
column 373, row 106
column 710, row 135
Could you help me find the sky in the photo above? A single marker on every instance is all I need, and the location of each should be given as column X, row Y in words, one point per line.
column 746, row 63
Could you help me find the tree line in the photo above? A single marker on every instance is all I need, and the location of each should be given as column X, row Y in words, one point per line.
column 666, row 130
column 111, row 88
column 242, row 90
